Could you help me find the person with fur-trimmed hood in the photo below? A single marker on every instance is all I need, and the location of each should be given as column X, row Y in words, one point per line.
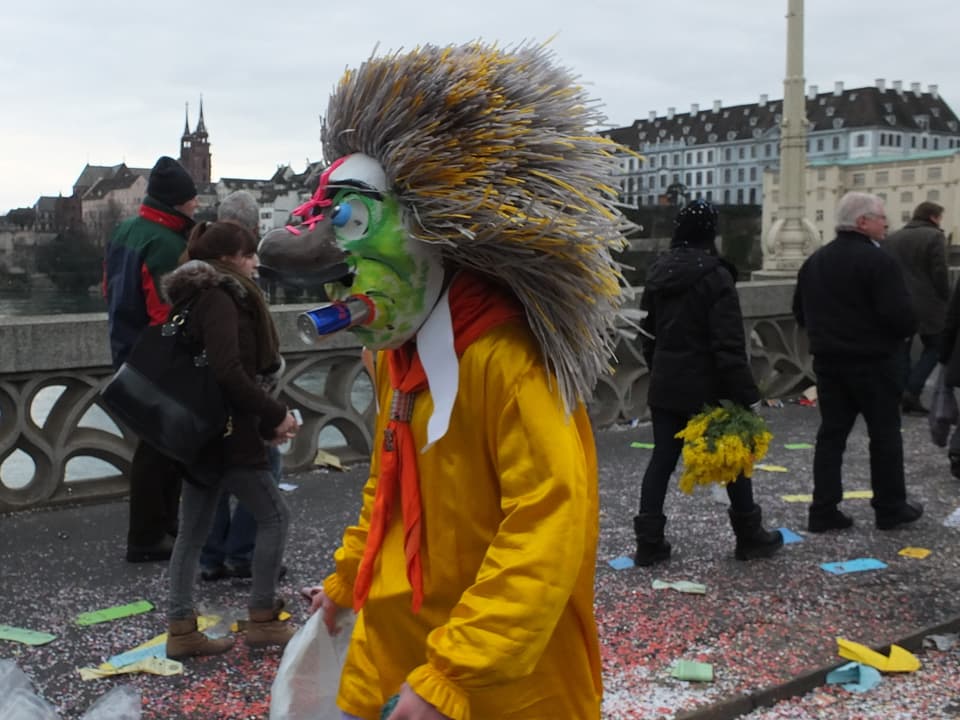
column 467, row 206
column 228, row 316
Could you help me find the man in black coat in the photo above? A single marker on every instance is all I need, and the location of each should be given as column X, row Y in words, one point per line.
column 921, row 249
column 853, row 302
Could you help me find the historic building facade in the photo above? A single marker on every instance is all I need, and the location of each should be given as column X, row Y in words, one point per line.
column 195, row 149
column 721, row 153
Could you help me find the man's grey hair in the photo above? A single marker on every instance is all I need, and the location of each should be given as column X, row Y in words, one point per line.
column 853, row 206
column 241, row 208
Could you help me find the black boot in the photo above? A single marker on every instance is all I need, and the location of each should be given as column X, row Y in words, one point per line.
column 651, row 547
column 753, row 541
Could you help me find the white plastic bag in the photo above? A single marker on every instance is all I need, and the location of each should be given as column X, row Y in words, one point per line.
column 121, row 703
column 309, row 674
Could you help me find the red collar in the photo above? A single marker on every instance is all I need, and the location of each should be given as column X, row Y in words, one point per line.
column 177, row 223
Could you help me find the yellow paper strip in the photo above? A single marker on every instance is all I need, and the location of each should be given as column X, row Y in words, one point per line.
column 849, row 495
column 900, row 660
column 154, row 666
column 914, row 552
column 771, row 468
column 328, row 459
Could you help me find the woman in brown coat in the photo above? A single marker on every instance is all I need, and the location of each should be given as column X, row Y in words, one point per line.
column 228, row 315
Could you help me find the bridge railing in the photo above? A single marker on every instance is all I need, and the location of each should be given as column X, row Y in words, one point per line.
column 59, row 444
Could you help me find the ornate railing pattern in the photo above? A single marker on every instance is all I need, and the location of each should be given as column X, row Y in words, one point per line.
column 58, row 444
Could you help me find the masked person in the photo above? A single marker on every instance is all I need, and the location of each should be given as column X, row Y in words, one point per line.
column 475, row 228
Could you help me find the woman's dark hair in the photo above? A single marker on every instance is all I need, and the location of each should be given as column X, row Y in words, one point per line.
column 213, row 240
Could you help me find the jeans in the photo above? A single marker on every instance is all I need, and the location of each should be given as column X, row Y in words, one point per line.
column 663, row 461
column 155, row 482
column 232, row 538
column 916, row 374
column 847, row 388
column 257, row 490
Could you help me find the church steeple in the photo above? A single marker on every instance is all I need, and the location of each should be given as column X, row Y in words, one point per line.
column 186, row 119
column 201, row 128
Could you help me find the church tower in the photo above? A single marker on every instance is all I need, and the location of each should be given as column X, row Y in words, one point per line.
column 195, row 149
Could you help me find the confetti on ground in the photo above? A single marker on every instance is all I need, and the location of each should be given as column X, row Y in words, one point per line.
column 855, row 677
column 914, row 552
column 789, row 536
column 27, row 637
column 153, row 666
column 771, row 468
column 684, row 586
column 953, row 519
column 852, row 566
column 621, row 563
column 288, row 487
column 642, row 445
column 114, row 613
column 898, row 659
column 941, row 642
column 848, row 495
column 692, row 671
column 798, row 446
column 328, row 459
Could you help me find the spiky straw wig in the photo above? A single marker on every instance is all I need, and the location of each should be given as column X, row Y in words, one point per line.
column 492, row 153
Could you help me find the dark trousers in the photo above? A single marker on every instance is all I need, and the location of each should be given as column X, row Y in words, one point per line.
column 233, row 536
column 663, row 461
column 916, row 373
column 845, row 389
column 155, row 482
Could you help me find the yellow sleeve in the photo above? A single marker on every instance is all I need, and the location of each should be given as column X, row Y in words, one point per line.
column 503, row 622
column 339, row 585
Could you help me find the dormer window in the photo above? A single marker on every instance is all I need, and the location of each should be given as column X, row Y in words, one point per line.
column 830, row 111
column 891, row 119
column 712, row 137
column 686, row 129
column 753, row 121
column 935, row 111
column 708, row 127
column 851, row 97
column 746, row 111
column 731, row 135
column 837, row 123
column 888, row 107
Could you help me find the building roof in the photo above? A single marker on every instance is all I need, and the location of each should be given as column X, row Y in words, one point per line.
column 106, row 185
column 92, row 173
column 873, row 106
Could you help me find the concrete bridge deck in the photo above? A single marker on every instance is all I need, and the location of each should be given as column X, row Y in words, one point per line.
column 761, row 624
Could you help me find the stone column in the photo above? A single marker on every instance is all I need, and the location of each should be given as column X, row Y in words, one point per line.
column 792, row 237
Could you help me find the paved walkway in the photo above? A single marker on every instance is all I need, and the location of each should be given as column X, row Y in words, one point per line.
column 760, row 624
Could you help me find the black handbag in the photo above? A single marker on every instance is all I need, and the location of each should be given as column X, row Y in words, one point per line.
column 167, row 394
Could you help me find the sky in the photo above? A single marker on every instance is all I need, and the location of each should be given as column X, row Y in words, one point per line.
column 92, row 81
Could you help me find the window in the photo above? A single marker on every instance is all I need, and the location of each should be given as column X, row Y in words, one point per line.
column 726, row 176
column 821, row 174
column 709, row 158
column 664, row 161
column 861, row 140
column 651, row 179
column 753, row 196
column 699, row 178
column 753, row 151
column 907, row 175
column 906, row 197
column 753, row 174
column 651, row 199
column 767, row 150
column 859, row 179
column 933, row 195
column 709, row 178
column 676, row 159
column 740, row 196
column 741, row 153
column 924, row 143
column 913, row 141
column 905, row 216
column 689, row 177
column 653, row 161
column 727, row 154
column 689, row 158
column 836, row 143
column 726, row 197
column 775, row 196
column 663, row 181
column 740, row 175
column 934, row 173
column 883, row 177
column 819, row 216
column 819, row 144
column 699, row 157
column 709, row 196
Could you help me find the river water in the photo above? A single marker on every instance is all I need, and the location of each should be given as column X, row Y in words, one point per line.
column 48, row 301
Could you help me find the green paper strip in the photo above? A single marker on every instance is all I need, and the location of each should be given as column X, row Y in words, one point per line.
column 27, row 637
column 642, row 446
column 798, row 446
column 694, row 671
column 114, row 613
column 684, row 586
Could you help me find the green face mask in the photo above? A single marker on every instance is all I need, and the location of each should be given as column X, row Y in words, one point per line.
column 401, row 275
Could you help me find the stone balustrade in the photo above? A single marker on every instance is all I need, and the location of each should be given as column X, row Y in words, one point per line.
column 58, row 444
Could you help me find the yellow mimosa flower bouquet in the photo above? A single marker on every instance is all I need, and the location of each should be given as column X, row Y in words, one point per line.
column 720, row 444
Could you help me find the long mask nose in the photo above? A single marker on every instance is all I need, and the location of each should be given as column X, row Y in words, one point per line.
column 305, row 259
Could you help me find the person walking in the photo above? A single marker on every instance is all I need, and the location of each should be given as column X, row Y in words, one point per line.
column 228, row 315
column 141, row 250
column 693, row 342
column 228, row 552
column 921, row 250
column 852, row 299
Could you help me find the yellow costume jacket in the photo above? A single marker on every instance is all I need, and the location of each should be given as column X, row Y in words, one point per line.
column 510, row 522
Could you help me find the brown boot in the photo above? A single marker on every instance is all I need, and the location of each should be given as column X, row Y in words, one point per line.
column 185, row 641
column 265, row 629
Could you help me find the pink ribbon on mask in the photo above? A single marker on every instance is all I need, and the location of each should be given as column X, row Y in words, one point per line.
column 318, row 200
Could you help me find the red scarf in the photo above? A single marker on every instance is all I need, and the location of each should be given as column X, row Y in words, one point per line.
column 475, row 307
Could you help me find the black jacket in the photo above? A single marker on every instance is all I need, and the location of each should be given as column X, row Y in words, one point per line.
column 692, row 335
column 949, row 354
column 851, row 298
column 921, row 249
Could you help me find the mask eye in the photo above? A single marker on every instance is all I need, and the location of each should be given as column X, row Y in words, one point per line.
column 351, row 218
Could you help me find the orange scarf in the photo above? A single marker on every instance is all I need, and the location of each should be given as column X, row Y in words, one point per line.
column 475, row 307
